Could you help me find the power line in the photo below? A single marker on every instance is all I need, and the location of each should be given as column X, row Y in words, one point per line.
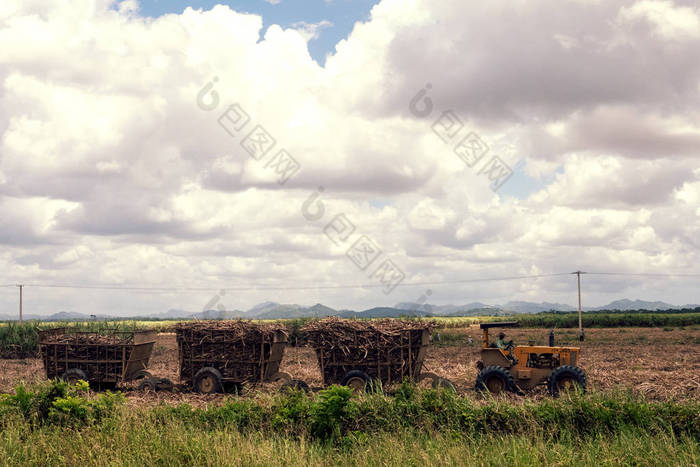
column 299, row 287
column 643, row 274
column 340, row 286
column 492, row 279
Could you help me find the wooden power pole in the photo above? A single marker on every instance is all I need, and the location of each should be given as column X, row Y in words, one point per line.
column 580, row 310
column 20, row 302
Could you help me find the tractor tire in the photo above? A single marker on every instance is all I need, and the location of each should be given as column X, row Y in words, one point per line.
column 357, row 380
column 495, row 379
column 566, row 377
column 208, row 381
column 73, row 375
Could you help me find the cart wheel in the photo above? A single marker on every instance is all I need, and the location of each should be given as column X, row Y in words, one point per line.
column 142, row 374
column 73, row 375
column 147, row 385
column 208, row 381
column 164, row 384
column 356, row 380
column 295, row 384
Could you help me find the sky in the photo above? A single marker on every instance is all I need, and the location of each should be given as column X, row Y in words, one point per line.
column 354, row 153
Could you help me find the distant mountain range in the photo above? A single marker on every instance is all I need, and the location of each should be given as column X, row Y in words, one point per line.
column 273, row 310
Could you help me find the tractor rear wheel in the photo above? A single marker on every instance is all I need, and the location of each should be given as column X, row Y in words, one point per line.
column 208, row 381
column 495, row 379
column 566, row 378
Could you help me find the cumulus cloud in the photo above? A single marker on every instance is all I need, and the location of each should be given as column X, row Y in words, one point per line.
column 120, row 161
column 668, row 20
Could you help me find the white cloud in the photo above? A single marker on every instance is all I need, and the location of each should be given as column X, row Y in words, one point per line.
column 110, row 172
column 668, row 20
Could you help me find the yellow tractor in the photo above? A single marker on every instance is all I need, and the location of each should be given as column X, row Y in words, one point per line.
column 518, row 368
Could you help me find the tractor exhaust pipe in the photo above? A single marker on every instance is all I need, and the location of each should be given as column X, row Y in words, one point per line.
column 551, row 337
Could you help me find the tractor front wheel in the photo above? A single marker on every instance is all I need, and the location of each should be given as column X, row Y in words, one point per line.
column 566, row 378
column 495, row 379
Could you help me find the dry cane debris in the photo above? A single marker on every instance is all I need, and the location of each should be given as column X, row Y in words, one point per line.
column 388, row 349
column 88, row 338
column 240, row 350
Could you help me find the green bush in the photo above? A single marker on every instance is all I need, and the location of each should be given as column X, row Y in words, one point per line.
column 292, row 413
column 337, row 415
column 58, row 403
column 332, row 412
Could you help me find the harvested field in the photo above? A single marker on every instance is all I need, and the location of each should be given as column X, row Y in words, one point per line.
column 661, row 364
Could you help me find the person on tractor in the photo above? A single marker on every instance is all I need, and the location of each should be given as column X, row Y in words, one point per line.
column 501, row 342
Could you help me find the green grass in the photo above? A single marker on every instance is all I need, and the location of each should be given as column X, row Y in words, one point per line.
column 335, row 427
column 133, row 443
column 19, row 340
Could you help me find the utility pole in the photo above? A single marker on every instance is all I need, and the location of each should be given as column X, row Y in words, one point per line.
column 580, row 310
column 20, row 302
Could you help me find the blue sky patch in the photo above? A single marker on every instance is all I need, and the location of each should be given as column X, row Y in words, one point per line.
column 342, row 14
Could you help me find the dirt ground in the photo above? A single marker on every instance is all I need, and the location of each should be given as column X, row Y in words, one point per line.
column 660, row 363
